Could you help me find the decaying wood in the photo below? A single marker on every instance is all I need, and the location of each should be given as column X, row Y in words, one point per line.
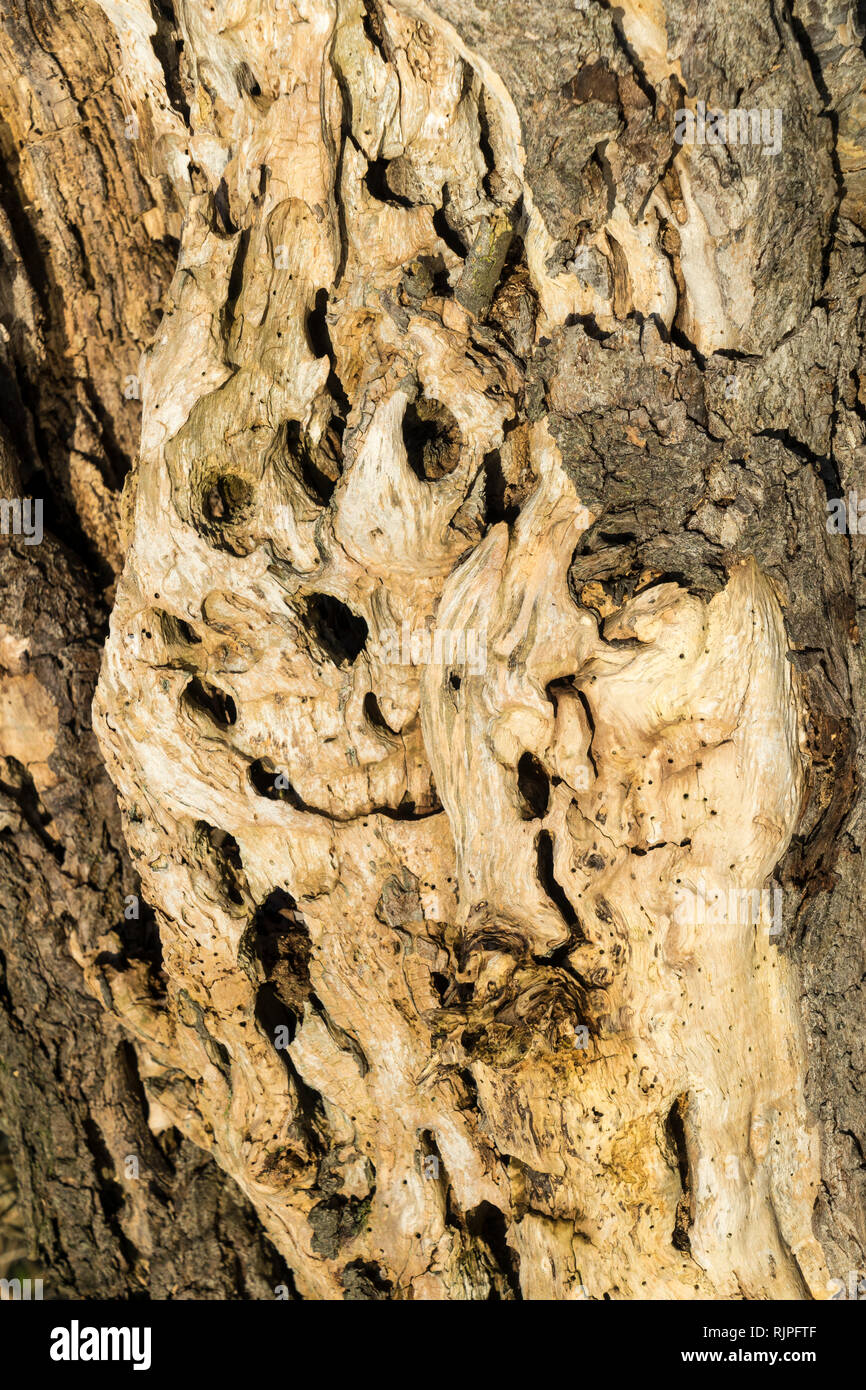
column 103, row 1208
column 483, row 688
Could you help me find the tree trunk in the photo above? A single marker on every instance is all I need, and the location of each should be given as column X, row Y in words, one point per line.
column 104, row 1208
column 483, row 685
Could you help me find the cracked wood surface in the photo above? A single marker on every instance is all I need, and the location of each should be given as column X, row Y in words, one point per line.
column 461, row 339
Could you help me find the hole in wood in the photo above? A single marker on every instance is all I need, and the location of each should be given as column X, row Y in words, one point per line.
column 227, row 499
column 432, row 439
column 533, row 784
column 339, row 631
column 201, row 698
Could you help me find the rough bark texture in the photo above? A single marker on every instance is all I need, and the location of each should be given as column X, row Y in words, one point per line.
column 104, row 1209
column 472, row 978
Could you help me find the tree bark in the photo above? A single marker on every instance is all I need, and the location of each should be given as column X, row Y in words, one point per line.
column 103, row 1207
column 483, row 686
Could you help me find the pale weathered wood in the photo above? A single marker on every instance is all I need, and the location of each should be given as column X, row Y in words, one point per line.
column 482, row 665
